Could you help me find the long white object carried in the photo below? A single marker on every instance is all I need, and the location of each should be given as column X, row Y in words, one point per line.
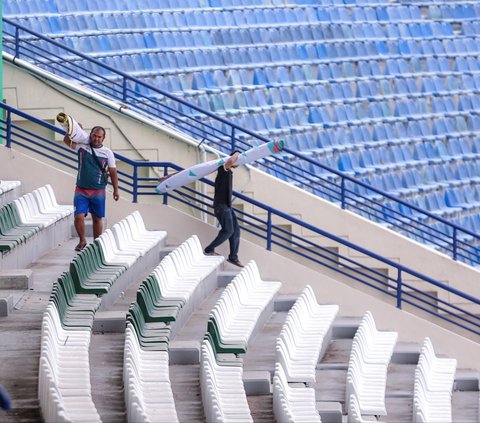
column 72, row 128
column 201, row 170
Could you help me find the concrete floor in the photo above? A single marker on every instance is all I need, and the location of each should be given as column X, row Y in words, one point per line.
column 20, row 336
column 20, row 348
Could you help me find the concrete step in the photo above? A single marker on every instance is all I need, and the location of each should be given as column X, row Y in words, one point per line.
column 467, row 380
column 345, row 326
column 185, row 382
column 88, row 227
column 6, row 303
column 106, row 375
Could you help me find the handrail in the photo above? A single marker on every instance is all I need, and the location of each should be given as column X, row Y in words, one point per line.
column 452, row 239
column 399, row 286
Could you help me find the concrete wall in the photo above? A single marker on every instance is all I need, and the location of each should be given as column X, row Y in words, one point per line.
column 34, row 173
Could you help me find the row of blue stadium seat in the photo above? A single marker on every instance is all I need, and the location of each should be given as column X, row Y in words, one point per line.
column 470, row 27
column 254, row 16
column 339, row 67
column 231, row 33
column 389, row 155
column 289, row 50
column 433, row 185
column 35, row 6
column 15, row 7
column 407, row 159
column 364, row 162
column 382, row 127
column 428, row 189
column 453, row 11
column 261, row 93
column 280, row 100
column 230, row 93
column 367, row 132
column 273, row 98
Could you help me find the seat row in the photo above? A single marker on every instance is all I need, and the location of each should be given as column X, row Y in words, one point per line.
column 64, row 388
column 300, row 341
column 210, row 32
column 241, row 16
column 148, row 391
column 434, row 379
column 178, row 283
column 101, row 263
column 165, row 300
column 237, row 313
column 453, row 12
column 292, row 404
column 64, row 371
column 28, row 215
column 404, row 58
column 12, row 7
column 7, row 188
column 230, row 96
column 223, row 393
column 368, row 365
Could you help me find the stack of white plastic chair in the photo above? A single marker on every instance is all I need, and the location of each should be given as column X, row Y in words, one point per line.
column 223, row 394
column 115, row 249
column 40, row 208
column 181, row 273
column 131, row 235
column 6, row 186
column 300, row 341
column 8, row 191
column 148, row 391
column 112, row 254
column 434, row 379
column 237, row 311
column 368, row 365
column 64, row 372
column 354, row 415
column 45, row 197
column 293, row 404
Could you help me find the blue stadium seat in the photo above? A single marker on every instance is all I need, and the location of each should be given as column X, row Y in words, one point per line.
column 323, row 139
column 455, row 198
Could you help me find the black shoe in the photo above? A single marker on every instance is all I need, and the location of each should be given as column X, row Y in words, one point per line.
column 237, row 262
column 213, row 253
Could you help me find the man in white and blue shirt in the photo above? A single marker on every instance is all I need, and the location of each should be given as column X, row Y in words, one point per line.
column 92, row 180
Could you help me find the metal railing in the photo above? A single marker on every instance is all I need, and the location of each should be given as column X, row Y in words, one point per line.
column 399, row 284
column 349, row 193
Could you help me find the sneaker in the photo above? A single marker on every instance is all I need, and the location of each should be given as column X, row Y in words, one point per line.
column 213, row 253
column 237, row 262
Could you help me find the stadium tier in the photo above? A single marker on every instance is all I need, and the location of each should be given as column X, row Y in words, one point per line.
column 377, row 90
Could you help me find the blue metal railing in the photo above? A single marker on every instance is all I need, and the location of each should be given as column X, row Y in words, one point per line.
column 349, row 193
column 399, row 284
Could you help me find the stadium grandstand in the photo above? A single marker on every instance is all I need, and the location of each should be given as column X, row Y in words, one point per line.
column 360, row 296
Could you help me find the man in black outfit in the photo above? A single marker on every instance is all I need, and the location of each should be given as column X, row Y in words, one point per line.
column 222, row 205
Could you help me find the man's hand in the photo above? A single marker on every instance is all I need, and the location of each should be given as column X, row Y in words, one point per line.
column 69, row 142
column 116, row 194
column 230, row 163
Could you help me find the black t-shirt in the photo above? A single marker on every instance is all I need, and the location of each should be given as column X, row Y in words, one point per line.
column 223, row 187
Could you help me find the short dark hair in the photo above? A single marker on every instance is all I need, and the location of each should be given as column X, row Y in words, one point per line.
column 99, row 127
column 235, row 151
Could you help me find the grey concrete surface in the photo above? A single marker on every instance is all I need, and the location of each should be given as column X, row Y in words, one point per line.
column 20, row 348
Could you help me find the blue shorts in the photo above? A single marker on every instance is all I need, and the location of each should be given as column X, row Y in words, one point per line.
column 89, row 200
